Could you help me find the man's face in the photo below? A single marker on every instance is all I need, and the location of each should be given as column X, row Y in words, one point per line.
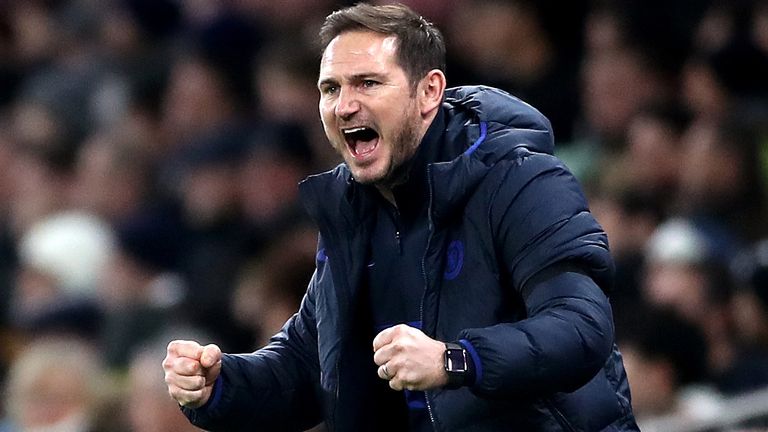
column 369, row 113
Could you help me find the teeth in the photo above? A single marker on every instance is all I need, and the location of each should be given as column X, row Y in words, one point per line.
column 353, row 130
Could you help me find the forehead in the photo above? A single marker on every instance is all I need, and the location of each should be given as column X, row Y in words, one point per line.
column 359, row 52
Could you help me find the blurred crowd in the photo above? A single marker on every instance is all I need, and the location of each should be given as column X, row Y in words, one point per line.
column 150, row 151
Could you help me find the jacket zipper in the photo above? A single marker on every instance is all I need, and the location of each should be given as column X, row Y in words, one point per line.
column 336, row 395
column 559, row 416
column 398, row 236
column 426, row 280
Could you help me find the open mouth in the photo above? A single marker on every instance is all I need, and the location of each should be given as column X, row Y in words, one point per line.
column 361, row 140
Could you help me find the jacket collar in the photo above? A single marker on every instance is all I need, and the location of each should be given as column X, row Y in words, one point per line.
column 477, row 127
column 410, row 195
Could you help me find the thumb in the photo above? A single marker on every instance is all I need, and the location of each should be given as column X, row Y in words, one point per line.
column 210, row 356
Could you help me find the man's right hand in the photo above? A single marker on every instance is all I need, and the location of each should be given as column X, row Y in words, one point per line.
column 190, row 371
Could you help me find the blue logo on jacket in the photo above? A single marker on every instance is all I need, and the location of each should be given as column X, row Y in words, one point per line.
column 321, row 256
column 454, row 259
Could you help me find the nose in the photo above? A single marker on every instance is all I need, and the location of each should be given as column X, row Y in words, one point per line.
column 347, row 104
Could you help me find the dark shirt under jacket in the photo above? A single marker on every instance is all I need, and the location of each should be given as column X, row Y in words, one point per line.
column 395, row 275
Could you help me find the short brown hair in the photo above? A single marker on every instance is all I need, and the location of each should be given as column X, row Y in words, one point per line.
column 420, row 45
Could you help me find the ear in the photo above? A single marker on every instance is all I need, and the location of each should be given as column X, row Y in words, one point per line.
column 430, row 91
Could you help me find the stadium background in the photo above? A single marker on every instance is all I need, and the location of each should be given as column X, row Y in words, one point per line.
column 149, row 151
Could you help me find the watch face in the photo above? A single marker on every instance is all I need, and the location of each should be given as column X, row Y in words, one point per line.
column 455, row 360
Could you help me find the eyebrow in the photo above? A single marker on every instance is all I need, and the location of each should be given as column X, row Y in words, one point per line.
column 354, row 78
column 326, row 81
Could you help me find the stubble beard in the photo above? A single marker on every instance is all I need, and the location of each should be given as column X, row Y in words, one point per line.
column 404, row 147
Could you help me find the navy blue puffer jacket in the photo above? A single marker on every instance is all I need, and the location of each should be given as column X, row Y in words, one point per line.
column 515, row 265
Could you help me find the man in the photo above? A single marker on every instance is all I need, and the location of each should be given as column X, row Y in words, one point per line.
column 452, row 242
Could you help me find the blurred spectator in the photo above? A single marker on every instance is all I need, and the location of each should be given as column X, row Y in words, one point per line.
column 208, row 177
column 210, row 85
column 70, row 70
column 683, row 275
column 653, row 160
column 285, row 79
column 618, row 78
column 138, row 39
column 279, row 156
column 629, row 218
column 532, row 59
column 676, row 277
column 289, row 16
column 213, row 237
column 701, row 91
column 197, row 100
column 720, row 182
column 759, row 26
column 663, row 354
column 8, row 256
column 751, row 271
column 269, row 290
column 725, row 73
column 61, row 260
column 616, row 84
column 112, row 177
column 149, row 407
column 750, row 315
column 227, row 43
column 41, row 170
column 727, row 80
column 57, row 385
column 632, row 60
column 140, row 288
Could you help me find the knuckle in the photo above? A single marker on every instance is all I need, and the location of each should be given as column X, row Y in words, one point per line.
column 176, row 364
column 177, row 367
column 186, row 366
column 411, row 377
column 173, row 346
column 169, row 361
column 192, row 370
column 397, row 364
column 176, row 393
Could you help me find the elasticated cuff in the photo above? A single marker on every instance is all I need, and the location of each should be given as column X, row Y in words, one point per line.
column 475, row 367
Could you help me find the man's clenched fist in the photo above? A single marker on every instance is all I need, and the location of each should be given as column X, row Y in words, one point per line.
column 409, row 359
column 190, row 371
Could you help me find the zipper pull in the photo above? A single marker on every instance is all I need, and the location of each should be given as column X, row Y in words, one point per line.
column 399, row 245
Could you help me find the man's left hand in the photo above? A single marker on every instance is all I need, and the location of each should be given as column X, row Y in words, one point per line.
column 409, row 359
